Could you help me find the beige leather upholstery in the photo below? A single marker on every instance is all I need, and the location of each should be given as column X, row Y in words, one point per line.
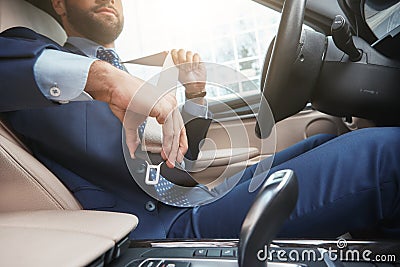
column 25, row 184
column 6, row 132
column 43, row 247
column 113, row 226
column 20, row 13
column 41, row 223
column 223, row 157
column 60, row 238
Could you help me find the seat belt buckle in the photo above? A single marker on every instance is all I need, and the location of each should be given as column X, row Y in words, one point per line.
column 148, row 180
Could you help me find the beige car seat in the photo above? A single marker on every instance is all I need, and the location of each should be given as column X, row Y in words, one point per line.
column 41, row 223
column 25, row 184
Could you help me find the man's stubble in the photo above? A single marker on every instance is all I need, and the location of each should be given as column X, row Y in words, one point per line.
column 102, row 30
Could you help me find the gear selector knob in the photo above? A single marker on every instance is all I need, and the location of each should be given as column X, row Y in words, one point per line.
column 272, row 206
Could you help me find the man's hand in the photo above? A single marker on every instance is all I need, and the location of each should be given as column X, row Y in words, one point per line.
column 131, row 125
column 192, row 72
column 118, row 88
column 175, row 143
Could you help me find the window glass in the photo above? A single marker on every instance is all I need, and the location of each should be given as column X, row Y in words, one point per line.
column 382, row 16
column 235, row 33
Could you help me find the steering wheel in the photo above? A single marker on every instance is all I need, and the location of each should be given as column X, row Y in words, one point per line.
column 283, row 100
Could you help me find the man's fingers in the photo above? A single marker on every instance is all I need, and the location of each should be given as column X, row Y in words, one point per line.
column 181, row 56
column 161, row 118
column 168, row 132
column 174, row 55
column 131, row 124
column 183, row 142
column 174, row 139
column 171, row 140
column 189, row 61
column 172, row 157
column 164, row 107
column 132, row 142
column 164, row 157
column 196, row 61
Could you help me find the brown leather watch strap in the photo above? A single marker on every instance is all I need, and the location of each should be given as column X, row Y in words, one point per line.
column 195, row 95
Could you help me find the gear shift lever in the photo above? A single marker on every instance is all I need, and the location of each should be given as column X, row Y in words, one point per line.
column 272, row 206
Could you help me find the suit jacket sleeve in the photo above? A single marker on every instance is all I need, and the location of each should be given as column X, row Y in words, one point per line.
column 20, row 48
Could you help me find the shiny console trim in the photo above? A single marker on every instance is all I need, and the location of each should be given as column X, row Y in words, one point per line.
column 211, row 243
column 212, row 262
column 382, row 246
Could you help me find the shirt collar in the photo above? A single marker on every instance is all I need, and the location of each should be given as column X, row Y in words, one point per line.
column 88, row 47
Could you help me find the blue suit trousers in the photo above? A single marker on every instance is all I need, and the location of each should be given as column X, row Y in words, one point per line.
column 350, row 183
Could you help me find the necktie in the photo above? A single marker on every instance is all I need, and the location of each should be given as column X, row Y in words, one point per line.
column 168, row 192
column 111, row 57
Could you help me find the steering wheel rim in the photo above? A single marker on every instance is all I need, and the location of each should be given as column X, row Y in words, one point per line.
column 283, row 55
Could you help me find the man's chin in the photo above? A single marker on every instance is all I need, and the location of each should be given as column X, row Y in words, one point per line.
column 110, row 26
column 103, row 29
column 104, row 36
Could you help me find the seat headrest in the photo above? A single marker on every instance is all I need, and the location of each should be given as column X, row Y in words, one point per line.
column 46, row 6
column 21, row 13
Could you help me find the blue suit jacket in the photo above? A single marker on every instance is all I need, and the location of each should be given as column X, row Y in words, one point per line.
column 80, row 142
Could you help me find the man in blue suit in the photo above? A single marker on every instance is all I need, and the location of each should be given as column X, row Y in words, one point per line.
column 342, row 187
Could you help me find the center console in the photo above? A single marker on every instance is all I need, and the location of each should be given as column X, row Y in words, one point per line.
column 280, row 253
column 256, row 247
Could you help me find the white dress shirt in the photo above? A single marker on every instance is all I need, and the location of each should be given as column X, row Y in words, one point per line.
column 62, row 76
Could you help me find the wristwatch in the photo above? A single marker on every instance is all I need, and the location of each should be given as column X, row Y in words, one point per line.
column 195, row 95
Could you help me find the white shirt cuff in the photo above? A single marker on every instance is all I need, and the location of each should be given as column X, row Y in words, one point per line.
column 197, row 110
column 62, row 76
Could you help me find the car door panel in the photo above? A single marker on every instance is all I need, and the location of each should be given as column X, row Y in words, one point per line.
column 287, row 132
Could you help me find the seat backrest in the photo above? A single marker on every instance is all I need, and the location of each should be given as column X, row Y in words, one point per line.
column 25, row 184
column 21, row 13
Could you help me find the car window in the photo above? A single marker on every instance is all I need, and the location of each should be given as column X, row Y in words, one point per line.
column 235, row 33
column 382, row 18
